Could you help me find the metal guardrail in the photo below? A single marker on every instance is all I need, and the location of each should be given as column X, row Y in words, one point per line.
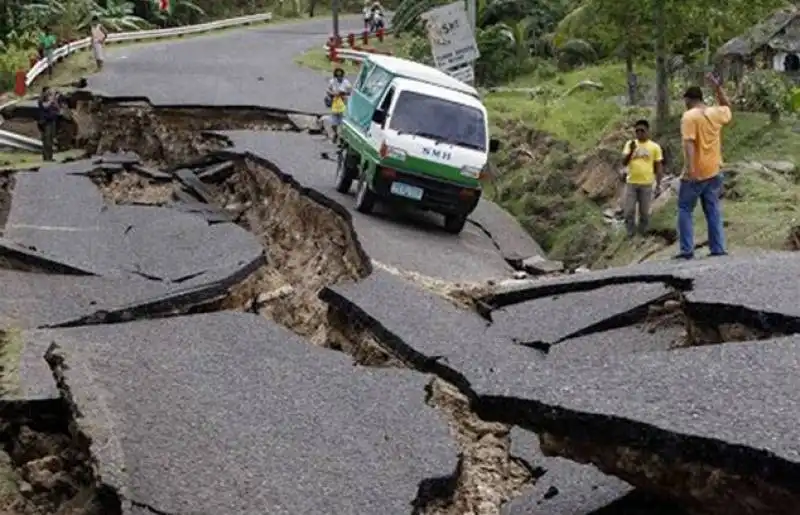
column 141, row 35
column 349, row 53
column 14, row 140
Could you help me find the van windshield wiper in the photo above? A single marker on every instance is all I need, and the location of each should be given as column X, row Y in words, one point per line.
column 466, row 144
column 437, row 139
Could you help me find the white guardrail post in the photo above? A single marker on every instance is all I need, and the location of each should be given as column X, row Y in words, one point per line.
column 141, row 35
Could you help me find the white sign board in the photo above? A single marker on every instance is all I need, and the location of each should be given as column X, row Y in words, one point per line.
column 449, row 31
column 464, row 74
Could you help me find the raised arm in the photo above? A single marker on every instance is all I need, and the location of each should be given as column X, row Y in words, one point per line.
column 627, row 152
column 689, row 137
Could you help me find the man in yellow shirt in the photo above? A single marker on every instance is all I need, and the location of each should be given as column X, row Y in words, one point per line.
column 643, row 158
column 701, row 132
column 339, row 89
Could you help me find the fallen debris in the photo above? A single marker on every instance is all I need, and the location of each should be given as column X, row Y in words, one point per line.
column 45, row 463
column 487, row 474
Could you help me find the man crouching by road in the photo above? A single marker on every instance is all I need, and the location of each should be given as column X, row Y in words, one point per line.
column 643, row 159
column 49, row 111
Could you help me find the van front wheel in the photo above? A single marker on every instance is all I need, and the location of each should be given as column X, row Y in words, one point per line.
column 344, row 171
column 454, row 224
column 365, row 198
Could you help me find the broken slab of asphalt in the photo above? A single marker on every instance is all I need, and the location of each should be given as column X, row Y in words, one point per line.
column 433, row 335
column 242, row 416
column 543, row 323
column 152, row 242
column 597, row 410
column 564, row 487
column 710, row 293
column 712, row 427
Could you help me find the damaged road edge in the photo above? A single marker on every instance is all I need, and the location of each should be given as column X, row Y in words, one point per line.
column 707, row 475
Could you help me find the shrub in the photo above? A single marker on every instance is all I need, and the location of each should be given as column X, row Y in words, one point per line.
column 766, row 91
column 12, row 60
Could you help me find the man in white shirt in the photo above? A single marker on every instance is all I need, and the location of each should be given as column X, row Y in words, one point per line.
column 98, row 40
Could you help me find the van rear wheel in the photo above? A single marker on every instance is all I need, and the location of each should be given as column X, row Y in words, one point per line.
column 454, row 224
column 365, row 198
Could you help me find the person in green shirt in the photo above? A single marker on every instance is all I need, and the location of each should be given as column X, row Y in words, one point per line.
column 47, row 44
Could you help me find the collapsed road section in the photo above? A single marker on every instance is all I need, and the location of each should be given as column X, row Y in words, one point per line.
column 121, row 239
column 184, row 225
column 628, row 370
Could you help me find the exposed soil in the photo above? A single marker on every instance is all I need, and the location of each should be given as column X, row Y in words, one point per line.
column 45, row 464
column 131, row 188
column 308, row 245
column 162, row 134
column 717, row 324
column 700, row 487
column 487, row 475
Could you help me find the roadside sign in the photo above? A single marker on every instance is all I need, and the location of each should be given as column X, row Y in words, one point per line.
column 449, row 31
column 464, row 73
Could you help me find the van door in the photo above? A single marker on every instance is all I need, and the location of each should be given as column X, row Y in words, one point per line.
column 376, row 130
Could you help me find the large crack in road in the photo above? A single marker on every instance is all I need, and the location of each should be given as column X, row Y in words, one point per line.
column 310, row 244
column 316, row 280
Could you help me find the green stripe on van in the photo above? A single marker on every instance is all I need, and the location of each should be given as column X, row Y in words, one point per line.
column 413, row 165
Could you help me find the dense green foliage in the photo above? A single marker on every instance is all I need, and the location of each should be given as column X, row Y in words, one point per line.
column 21, row 21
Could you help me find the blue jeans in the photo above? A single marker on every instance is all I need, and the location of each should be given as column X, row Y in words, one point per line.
column 709, row 192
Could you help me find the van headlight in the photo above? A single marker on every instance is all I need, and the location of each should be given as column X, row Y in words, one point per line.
column 472, row 172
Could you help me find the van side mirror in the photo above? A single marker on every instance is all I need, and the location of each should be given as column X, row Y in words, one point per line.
column 379, row 117
column 494, row 145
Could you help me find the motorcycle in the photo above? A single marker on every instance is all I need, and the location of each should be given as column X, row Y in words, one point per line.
column 376, row 22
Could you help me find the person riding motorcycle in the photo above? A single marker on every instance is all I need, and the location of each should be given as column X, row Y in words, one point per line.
column 376, row 20
column 367, row 13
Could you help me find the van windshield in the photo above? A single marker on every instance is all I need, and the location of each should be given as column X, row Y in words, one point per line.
column 439, row 119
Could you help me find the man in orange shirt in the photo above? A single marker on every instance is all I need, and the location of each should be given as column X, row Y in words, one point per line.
column 701, row 132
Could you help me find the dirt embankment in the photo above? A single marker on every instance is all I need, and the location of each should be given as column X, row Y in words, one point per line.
column 559, row 194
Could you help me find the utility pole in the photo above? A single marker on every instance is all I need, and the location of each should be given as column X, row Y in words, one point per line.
column 473, row 22
column 471, row 14
column 335, row 9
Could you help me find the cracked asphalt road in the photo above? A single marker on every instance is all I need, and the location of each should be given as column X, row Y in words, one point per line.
column 161, row 399
column 181, row 73
column 248, row 67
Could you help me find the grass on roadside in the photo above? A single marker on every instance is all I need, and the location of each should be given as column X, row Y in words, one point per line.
column 20, row 160
column 317, row 58
column 765, row 204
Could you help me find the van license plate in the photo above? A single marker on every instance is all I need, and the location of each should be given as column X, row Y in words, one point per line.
column 407, row 191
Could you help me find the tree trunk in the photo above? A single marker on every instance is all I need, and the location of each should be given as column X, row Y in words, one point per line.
column 631, row 76
column 662, row 80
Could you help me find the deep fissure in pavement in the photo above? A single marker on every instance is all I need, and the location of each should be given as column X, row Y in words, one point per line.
column 310, row 243
column 46, row 466
column 702, row 323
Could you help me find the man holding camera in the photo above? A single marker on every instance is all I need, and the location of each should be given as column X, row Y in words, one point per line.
column 49, row 111
column 643, row 160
